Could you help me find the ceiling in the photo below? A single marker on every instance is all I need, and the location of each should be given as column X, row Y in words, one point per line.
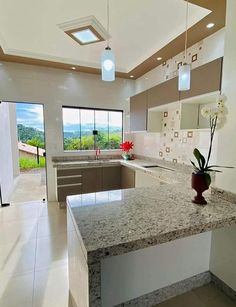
column 29, row 31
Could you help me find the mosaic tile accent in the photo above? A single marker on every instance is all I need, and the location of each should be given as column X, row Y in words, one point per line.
column 180, row 143
column 194, row 58
column 190, row 134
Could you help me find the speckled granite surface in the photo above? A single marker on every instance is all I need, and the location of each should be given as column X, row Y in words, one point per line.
column 121, row 221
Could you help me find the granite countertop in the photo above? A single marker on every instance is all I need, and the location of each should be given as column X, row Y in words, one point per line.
column 116, row 222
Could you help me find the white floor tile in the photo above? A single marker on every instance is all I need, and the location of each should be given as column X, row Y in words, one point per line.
column 15, row 231
column 17, row 213
column 51, row 288
column 16, row 291
column 52, row 225
column 17, row 258
column 51, row 251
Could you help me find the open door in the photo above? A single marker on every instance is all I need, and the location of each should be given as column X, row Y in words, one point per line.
column 22, row 170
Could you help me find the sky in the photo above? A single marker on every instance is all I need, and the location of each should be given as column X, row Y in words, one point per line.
column 72, row 116
column 30, row 115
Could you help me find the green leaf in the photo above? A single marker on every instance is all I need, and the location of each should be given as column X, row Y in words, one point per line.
column 213, row 170
column 201, row 160
column 221, row 166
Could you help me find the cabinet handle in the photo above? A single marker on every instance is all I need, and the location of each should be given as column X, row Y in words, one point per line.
column 69, row 176
column 68, row 185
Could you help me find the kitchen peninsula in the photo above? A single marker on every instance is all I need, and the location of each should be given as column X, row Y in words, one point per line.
column 141, row 246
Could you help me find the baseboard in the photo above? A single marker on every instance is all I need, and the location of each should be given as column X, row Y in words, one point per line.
column 223, row 287
column 166, row 293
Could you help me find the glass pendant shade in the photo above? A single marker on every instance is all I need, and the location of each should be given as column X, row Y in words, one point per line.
column 108, row 65
column 184, row 77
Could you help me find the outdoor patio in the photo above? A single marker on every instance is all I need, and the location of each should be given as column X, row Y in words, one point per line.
column 30, row 186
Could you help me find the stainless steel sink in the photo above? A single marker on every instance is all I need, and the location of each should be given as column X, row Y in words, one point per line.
column 158, row 167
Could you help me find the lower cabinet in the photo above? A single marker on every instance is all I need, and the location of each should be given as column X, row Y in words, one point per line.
column 91, row 180
column 87, row 180
column 111, row 178
column 127, row 177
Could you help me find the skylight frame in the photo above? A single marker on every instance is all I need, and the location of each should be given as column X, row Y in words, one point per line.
column 88, row 27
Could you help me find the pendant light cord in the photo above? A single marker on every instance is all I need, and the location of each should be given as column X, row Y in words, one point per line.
column 108, row 21
column 186, row 31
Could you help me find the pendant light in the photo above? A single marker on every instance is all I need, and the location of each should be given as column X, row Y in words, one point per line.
column 108, row 57
column 185, row 69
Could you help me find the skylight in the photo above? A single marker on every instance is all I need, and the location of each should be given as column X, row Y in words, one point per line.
column 85, row 36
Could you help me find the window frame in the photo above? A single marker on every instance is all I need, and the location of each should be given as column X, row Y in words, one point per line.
column 93, row 109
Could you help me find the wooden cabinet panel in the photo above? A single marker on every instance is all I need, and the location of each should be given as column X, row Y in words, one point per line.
column 111, row 178
column 63, row 192
column 127, row 177
column 68, row 172
column 205, row 79
column 91, row 180
column 138, row 112
column 163, row 93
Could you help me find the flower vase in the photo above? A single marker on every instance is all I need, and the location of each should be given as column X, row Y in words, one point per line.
column 126, row 156
column 199, row 184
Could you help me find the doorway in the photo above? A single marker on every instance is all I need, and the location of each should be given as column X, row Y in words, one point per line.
column 22, row 136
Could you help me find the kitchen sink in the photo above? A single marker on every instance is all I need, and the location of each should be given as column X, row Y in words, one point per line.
column 158, row 166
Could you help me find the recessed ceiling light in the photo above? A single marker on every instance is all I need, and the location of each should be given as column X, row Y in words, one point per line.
column 159, row 58
column 74, row 68
column 210, row 25
column 131, row 76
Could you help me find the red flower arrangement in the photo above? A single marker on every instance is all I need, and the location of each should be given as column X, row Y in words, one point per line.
column 126, row 146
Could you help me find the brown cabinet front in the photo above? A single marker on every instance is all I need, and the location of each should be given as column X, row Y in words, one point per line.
column 127, row 178
column 111, row 178
column 138, row 112
column 163, row 93
column 205, row 79
column 91, row 180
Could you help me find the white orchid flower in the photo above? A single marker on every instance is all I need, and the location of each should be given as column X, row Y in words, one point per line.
column 206, row 112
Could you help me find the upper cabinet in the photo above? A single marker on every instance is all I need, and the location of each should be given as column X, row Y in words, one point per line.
column 138, row 112
column 205, row 79
column 163, row 93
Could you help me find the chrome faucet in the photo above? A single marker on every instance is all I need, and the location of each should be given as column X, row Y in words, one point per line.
column 97, row 153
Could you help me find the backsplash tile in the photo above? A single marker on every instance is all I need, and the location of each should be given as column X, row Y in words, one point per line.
column 173, row 144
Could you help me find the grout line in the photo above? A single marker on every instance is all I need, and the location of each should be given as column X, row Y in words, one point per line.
column 35, row 256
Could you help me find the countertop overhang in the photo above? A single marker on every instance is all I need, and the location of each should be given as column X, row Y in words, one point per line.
column 120, row 221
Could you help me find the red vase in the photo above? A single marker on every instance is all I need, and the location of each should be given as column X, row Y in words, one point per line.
column 199, row 184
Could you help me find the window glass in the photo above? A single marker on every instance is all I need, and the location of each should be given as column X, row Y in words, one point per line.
column 88, row 129
column 71, row 128
column 101, row 125
column 115, row 129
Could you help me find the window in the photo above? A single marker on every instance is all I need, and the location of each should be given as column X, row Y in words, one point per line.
column 88, row 129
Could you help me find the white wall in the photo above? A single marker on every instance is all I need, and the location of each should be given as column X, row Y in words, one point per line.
column 14, row 140
column 54, row 88
column 6, row 162
column 227, row 139
column 223, row 255
column 137, row 273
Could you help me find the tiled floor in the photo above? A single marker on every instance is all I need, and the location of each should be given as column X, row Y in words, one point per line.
column 33, row 261
column 206, row 296
column 33, row 180
column 33, row 256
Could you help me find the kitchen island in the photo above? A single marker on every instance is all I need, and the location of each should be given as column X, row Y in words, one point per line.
column 138, row 247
